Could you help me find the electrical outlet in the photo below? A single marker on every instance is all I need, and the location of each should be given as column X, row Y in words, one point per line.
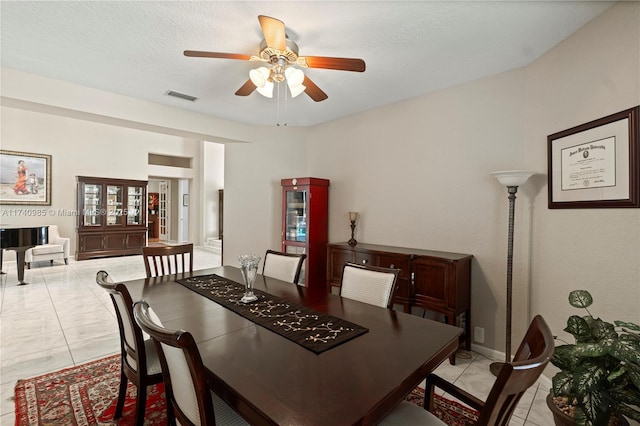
column 478, row 334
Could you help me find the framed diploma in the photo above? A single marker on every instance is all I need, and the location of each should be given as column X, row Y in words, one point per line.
column 595, row 165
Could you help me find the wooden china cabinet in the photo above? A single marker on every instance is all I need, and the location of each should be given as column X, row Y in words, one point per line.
column 112, row 217
column 305, row 220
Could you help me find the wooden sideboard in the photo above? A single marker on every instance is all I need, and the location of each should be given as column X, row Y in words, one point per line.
column 433, row 280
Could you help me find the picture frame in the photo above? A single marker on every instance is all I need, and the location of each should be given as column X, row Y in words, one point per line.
column 595, row 165
column 25, row 178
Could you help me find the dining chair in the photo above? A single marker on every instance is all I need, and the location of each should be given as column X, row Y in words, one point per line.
column 283, row 266
column 370, row 284
column 140, row 363
column 189, row 399
column 165, row 260
column 513, row 380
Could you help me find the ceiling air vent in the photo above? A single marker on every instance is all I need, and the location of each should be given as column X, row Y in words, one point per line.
column 181, row 95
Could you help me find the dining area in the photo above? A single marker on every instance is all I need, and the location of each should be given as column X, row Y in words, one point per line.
column 254, row 374
column 296, row 355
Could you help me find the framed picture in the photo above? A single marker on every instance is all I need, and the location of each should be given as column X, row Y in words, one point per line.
column 25, row 178
column 595, row 165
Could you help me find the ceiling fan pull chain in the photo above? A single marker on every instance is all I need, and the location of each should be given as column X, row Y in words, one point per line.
column 278, row 90
column 286, row 102
column 278, row 104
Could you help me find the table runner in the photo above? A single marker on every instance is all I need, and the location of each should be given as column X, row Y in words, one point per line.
column 310, row 329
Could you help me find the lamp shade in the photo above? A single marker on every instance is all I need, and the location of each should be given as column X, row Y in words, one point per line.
column 513, row 177
column 259, row 76
column 266, row 90
column 295, row 77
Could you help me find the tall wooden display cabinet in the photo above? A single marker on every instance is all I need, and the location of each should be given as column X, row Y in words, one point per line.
column 112, row 217
column 305, row 220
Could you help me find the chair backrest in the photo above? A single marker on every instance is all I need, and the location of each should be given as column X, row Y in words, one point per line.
column 283, row 266
column 516, row 377
column 131, row 338
column 53, row 233
column 166, row 260
column 370, row 284
column 188, row 397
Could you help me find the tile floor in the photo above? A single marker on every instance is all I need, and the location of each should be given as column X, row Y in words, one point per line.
column 62, row 318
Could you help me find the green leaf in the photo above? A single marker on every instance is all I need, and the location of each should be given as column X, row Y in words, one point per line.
column 629, row 325
column 592, row 350
column 580, row 299
column 577, row 327
column 633, row 371
column 617, row 373
column 588, row 377
column 626, row 349
column 563, row 357
column 579, row 417
column 629, row 412
column 562, row 384
column 596, row 408
column 603, row 330
column 625, row 396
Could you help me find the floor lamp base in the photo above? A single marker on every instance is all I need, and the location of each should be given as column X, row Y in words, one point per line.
column 495, row 368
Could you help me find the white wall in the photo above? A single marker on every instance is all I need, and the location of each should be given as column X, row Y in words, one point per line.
column 80, row 148
column 212, row 158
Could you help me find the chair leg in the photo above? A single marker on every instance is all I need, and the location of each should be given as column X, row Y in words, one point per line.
column 122, row 393
column 141, row 404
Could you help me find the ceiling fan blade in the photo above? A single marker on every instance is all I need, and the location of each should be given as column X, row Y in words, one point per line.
column 274, row 33
column 201, row 54
column 246, row 89
column 343, row 64
column 313, row 91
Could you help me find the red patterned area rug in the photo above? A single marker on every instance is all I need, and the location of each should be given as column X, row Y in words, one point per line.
column 451, row 412
column 86, row 396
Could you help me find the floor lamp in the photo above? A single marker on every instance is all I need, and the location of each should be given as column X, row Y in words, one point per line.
column 512, row 179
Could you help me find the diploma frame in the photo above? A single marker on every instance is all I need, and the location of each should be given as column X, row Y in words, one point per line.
column 618, row 135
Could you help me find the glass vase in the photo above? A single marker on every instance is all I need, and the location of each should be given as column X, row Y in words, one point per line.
column 249, row 268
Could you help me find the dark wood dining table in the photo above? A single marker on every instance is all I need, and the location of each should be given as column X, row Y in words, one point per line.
column 269, row 379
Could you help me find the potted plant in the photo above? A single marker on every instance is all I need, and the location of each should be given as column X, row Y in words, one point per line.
column 599, row 374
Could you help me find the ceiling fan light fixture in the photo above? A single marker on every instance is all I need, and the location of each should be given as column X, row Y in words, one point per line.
column 294, row 76
column 260, row 77
column 266, row 90
column 296, row 90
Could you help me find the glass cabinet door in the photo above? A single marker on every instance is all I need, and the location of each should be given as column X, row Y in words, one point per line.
column 114, row 205
column 92, row 205
column 134, row 205
column 296, row 216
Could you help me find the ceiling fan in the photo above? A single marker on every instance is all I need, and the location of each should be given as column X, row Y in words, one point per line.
column 280, row 56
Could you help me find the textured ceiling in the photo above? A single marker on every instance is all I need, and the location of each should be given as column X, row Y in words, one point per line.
column 411, row 48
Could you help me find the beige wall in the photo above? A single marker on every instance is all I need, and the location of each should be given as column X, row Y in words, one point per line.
column 594, row 73
column 418, row 171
